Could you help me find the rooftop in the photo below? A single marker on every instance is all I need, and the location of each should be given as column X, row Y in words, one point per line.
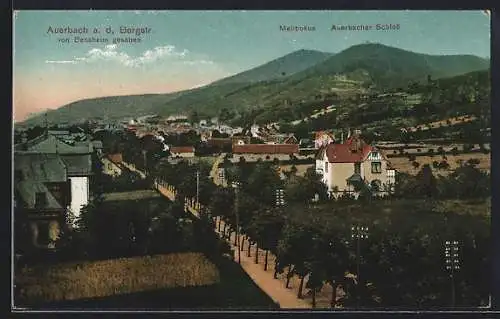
column 181, row 149
column 28, row 191
column 352, row 151
column 47, row 143
column 40, row 167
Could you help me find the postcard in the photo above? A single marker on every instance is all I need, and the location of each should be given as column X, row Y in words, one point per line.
column 251, row 160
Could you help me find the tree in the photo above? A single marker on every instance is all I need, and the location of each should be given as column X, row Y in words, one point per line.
column 415, row 164
column 267, row 224
column 426, row 182
column 263, row 182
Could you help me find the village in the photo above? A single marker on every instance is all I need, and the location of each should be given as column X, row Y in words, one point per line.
column 56, row 173
column 207, row 171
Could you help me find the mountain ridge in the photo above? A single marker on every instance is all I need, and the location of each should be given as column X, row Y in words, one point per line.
column 371, row 64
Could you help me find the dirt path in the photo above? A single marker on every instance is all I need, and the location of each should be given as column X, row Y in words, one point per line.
column 274, row 288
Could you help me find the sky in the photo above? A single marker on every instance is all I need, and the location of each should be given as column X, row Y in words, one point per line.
column 177, row 50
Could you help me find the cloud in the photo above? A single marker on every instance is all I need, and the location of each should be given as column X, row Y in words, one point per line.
column 198, row 62
column 111, row 53
column 61, row 62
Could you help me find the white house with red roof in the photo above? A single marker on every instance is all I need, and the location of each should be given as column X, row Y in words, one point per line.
column 346, row 166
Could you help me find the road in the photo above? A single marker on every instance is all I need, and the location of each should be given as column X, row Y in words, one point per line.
column 275, row 288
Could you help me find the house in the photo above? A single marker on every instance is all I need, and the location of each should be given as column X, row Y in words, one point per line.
column 78, row 161
column 98, row 146
column 348, row 166
column 254, row 130
column 269, row 149
column 41, row 197
column 182, row 151
column 281, row 139
column 306, row 143
column 323, row 138
column 111, row 165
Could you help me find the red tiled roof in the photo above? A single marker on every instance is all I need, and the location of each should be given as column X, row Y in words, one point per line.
column 115, row 158
column 223, row 141
column 266, row 149
column 181, row 149
column 352, row 151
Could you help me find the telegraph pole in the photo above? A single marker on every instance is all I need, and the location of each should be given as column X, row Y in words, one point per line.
column 236, row 186
column 358, row 233
column 280, row 201
column 452, row 262
column 280, row 197
column 197, row 189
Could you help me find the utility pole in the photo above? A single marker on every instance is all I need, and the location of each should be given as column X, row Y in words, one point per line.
column 280, row 201
column 280, row 197
column 452, row 262
column 236, row 186
column 221, row 176
column 358, row 233
column 197, row 189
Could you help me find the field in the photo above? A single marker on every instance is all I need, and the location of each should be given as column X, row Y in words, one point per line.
column 473, row 207
column 131, row 195
column 402, row 164
column 448, row 122
column 173, row 281
column 111, row 277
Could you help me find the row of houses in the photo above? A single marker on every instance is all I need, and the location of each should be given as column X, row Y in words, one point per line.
column 51, row 184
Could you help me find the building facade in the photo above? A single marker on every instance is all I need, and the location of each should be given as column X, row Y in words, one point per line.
column 41, row 196
column 77, row 159
column 354, row 164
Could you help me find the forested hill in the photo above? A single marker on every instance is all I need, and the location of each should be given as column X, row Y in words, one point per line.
column 390, row 66
column 303, row 75
column 276, row 69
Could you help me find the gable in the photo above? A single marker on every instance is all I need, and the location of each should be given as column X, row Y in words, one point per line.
column 374, row 156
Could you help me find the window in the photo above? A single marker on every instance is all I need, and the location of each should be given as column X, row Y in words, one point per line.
column 40, row 200
column 326, row 167
column 376, row 167
column 357, row 168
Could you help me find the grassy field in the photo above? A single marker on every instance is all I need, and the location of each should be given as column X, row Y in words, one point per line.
column 173, row 281
column 402, row 164
column 481, row 207
column 111, row 277
column 132, row 195
column 443, row 123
